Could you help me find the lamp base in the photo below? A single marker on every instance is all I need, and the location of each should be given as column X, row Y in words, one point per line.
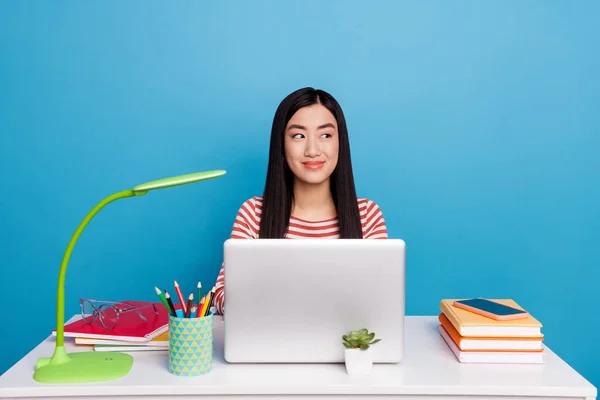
column 84, row 367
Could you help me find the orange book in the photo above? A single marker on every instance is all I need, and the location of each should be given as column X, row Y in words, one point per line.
column 469, row 324
column 510, row 344
column 494, row 357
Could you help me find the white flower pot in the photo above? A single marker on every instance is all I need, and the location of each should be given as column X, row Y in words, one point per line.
column 358, row 362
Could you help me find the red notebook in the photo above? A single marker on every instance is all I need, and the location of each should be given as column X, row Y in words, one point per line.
column 130, row 327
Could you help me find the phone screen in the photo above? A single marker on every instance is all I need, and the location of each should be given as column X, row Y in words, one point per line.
column 491, row 306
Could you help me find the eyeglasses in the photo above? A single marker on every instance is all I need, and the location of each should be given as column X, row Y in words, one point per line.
column 107, row 312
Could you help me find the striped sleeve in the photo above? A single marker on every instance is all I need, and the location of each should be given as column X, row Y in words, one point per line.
column 245, row 226
column 375, row 227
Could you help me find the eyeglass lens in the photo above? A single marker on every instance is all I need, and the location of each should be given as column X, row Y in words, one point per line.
column 108, row 314
column 87, row 311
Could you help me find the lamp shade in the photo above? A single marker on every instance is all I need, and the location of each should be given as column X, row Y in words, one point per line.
column 178, row 180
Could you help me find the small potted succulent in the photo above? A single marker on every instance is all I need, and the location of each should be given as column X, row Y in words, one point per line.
column 358, row 357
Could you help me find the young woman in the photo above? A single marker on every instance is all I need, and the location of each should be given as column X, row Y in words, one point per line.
column 309, row 191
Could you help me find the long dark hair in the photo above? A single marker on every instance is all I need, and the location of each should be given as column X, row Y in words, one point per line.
column 279, row 187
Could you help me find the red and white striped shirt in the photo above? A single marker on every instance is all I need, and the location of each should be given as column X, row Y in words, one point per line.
column 247, row 226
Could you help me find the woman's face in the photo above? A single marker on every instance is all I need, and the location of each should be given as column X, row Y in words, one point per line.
column 311, row 144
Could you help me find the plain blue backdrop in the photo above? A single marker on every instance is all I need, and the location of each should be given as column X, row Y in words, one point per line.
column 474, row 125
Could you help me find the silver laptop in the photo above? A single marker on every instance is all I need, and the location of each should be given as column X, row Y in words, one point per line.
column 291, row 300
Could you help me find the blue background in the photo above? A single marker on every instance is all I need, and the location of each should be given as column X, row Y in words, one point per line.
column 474, row 125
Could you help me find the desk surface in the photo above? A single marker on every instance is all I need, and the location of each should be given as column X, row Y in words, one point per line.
column 429, row 370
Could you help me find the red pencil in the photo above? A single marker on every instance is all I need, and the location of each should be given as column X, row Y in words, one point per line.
column 183, row 305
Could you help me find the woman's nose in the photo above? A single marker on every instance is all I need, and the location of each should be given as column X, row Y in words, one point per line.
column 312, row 148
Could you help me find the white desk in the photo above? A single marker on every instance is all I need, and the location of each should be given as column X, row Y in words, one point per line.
column 429, row 371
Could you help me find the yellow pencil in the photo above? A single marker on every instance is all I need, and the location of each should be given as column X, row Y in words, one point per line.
column 209, row 300
column 205, row 305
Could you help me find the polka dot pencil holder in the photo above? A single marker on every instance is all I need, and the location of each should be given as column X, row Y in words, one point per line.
column 190, row 345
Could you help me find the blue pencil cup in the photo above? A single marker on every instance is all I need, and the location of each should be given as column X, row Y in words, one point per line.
column 190, row 345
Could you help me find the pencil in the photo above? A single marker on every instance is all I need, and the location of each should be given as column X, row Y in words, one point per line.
column 212, row 298
column 200, row 308
column 168, row 297
column 189, row 305
column 163, row 299
column 209, row 299
column 178, row 290
column 199, row 292
column 193, row 312
column 205, row 301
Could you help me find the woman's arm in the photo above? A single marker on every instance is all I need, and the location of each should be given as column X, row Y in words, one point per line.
column 245, row 226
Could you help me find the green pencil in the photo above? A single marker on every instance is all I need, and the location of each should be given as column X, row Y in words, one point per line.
column 171, row 306
column 162, row 298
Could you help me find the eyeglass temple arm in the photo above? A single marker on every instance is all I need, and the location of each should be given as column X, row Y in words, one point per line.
column 137, row 310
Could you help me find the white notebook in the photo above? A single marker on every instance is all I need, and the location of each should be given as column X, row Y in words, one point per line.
column 100, row 347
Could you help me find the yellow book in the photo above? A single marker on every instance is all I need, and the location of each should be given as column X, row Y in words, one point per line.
column 469, row 324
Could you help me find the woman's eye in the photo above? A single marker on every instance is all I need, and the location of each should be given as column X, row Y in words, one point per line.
column 326, row 135
column 297, row 136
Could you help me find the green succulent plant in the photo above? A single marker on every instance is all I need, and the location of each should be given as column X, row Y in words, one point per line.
column 360, row 339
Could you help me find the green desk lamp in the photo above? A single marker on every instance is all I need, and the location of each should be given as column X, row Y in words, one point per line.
column 93, row 366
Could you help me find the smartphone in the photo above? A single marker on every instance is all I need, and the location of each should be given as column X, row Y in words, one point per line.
column 491, row 309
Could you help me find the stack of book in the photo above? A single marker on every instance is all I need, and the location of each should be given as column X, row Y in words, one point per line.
column 131, row 333
column 159, row 343
column 474, row 338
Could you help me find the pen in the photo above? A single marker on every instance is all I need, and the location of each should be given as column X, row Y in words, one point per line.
column 178, row 290
column 168, row 297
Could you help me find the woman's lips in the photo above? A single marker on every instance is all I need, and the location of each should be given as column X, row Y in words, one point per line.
column 313, row 164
